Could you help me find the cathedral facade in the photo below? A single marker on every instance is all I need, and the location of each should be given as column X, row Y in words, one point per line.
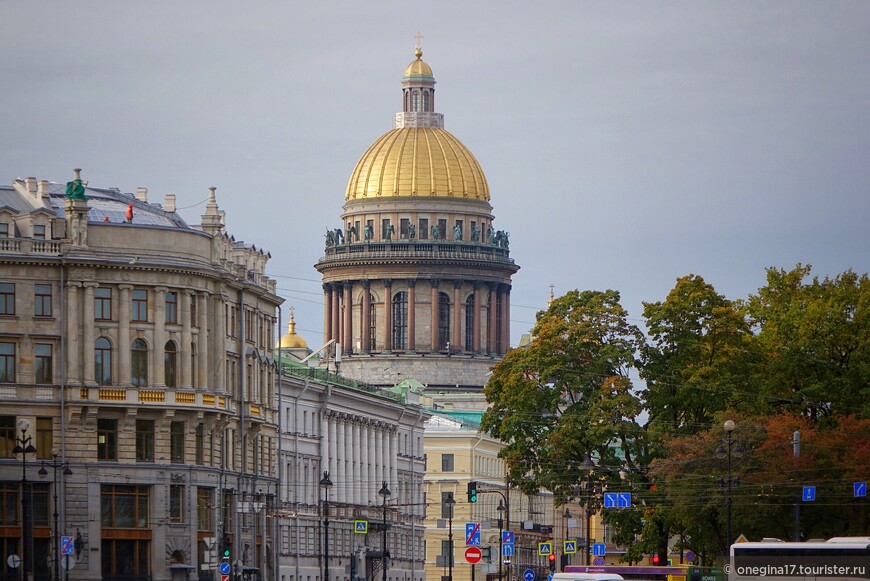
column 417, row 279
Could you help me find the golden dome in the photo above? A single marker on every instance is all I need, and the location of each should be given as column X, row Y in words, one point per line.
column 417, row 161
column 418, row 68
column 291, row 340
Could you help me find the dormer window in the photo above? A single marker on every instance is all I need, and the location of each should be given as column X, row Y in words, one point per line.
column 39, row 232
column 4, row 230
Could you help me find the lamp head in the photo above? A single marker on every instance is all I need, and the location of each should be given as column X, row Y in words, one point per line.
column 325, row 482
column 23, row 425
column 384, row 491
column 729, row 426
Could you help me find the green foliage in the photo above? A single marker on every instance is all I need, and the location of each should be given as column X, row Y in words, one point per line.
column 567, row 396
column 815, row 341
column 693, row 362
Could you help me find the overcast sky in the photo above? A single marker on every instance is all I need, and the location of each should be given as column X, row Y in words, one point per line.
column 625, row 143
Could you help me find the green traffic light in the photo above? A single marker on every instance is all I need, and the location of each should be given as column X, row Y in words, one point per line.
column 226, row 552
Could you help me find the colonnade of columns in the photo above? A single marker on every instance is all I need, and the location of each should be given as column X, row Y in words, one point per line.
column 83, row 330
column 493, row 337
column 358, row 451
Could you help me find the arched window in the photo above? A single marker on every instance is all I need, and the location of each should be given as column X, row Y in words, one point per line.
column 400, row 320
column 415, row 101
column 469, row 323
column 443, row 321
column 407, row 101
column 426, row 101
column 139, row 363
column 103, row 361
column 170, row 364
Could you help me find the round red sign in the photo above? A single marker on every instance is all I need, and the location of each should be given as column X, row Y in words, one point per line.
column 473, row 555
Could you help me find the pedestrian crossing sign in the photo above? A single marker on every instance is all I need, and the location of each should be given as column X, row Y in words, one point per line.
column 360, row 527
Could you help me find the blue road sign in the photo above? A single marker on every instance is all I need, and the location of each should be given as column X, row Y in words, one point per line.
column 507, row 537
column 860, row 489
column 225, row 568
column 570, row 547
column 507, row 550
column 550, row 577
column 623, row 499
column 611, row 500
column 361, row 527
column 545, row 549
column 809, row 494
column 529, row 575
column 598, row 550
column 472, row 534
column 690, row 555
column 66, row 545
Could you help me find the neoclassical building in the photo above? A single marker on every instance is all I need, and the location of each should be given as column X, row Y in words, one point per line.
column 137, row 375
column 417, row 279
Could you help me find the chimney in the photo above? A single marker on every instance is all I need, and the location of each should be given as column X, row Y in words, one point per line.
column 169, row 202
column 42, row 190
column 30, row 186
column 142, row 194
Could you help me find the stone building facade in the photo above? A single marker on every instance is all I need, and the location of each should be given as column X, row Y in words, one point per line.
column 136, row 351
column 417, row 279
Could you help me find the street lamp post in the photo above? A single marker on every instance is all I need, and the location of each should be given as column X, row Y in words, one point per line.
column 589, row 466
column 730, row 445
column 565, row 555
column 325, row 484
column 450, row 503
column 55, row 464
column 384, row 492
column 500, row 508
column 24, row 446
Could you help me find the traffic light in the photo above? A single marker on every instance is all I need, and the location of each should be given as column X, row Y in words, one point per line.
column 552, row 558
column 225, row 547
column 472, row 491
column 656, row 559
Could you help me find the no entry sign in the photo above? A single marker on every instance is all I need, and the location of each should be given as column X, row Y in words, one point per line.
column 473, row 555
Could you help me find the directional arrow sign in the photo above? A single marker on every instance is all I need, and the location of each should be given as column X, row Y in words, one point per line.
column 507, row 537
column 611, row 500
column 860, row 489
column 529, row 575
column 623, row 499
column 599, row 549
column 809, row 494
column 507, row 550
column 66, row 545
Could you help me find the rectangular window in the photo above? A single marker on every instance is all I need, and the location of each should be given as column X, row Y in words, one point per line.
column 4, row 230
column 7, row 362
column 124, row 507
column 200, row 443
column 176, row 442
column 107, row 439
column 403, row 228
column 458, row 229
column 7, row 437
column 144, row 440
column 125, row 558
column 172, row 307
column 39, row 232
column 442, row 228
column 356, row 231
column 42, row 300
column 193, row 322
column 103, row 304
column 385, row 229
column 447, row 463
column 140, row 305
column 44, row 438
column 176, row 503
column 43, row 363
column 7, row 298
column 204, row 512
column 423, row 230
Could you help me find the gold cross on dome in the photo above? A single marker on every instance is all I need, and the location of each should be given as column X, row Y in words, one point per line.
column 419, row 37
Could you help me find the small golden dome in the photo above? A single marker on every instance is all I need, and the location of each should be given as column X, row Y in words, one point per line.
column 418, row 161
column 418, row 68
column 291, row 340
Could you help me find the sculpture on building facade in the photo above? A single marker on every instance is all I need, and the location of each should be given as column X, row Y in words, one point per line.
column 457, row 232
column 436, row 232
